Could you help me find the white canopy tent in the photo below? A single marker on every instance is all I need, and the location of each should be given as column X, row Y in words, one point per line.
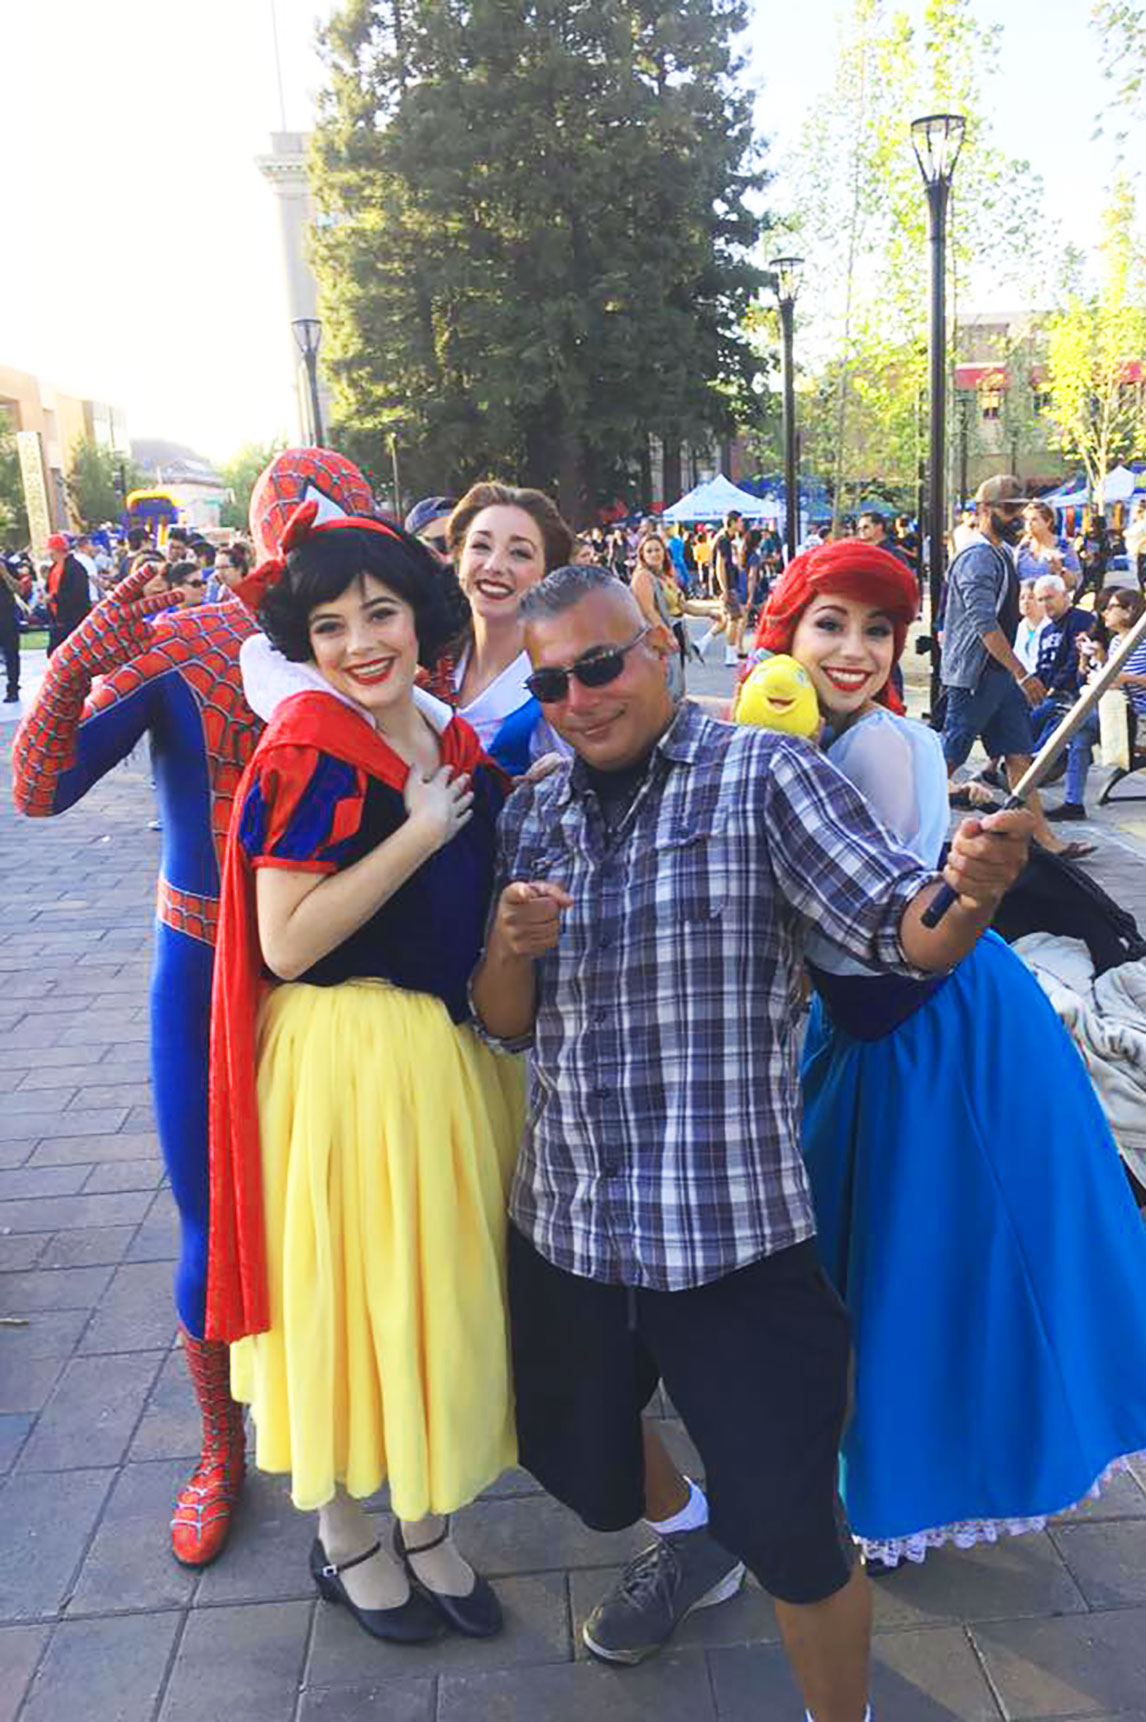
column 713, row 499
column 1121, row 484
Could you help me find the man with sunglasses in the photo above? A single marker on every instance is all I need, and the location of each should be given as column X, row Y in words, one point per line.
column 187, row 583
column 429, row 520
column 645, row 945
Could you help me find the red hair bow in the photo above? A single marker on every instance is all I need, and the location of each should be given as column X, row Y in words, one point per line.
column 254, row 588
column 299, row 527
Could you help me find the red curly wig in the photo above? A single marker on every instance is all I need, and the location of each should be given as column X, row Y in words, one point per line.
column 848, row 569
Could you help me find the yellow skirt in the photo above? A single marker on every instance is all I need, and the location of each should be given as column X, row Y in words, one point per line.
column 388, row 1137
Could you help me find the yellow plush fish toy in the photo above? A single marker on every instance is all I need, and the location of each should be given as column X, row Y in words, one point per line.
column 778, row 694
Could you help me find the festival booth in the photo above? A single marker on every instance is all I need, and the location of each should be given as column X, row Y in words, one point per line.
column 713, row 499
column 1122, row 484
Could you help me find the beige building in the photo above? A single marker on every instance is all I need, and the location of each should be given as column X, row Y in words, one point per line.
column 999, row 421
column 58, row 421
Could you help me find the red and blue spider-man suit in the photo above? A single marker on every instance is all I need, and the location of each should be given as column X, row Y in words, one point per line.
column 176, row 679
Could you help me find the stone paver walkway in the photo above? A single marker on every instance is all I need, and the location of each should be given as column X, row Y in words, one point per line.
column 97, row 1429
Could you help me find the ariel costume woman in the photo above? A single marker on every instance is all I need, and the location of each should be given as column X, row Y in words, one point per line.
column 971, row 1204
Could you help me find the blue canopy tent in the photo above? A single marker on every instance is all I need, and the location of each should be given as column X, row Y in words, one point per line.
column 1121, row 484
column 1069, row 496
column 713, row 499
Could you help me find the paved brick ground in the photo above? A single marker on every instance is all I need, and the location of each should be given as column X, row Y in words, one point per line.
column 97, row 1428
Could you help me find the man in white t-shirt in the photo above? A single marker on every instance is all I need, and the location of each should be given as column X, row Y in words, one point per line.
column 967, row 530
column 83, row 554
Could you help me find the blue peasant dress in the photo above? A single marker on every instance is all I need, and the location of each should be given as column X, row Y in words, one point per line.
column 973, row 1214
column 508, row 721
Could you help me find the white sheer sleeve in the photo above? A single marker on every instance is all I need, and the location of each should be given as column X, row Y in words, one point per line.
column 898, row 767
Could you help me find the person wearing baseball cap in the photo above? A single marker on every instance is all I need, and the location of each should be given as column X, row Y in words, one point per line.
column 69, row 596
column 990, row 691
column 428, row 520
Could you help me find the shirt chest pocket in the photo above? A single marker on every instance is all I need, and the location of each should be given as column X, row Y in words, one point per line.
column 685, row 871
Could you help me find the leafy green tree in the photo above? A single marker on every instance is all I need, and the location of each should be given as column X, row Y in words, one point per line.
column 1120, row 27
column 239, row 475
column 1100, row 412
column 98, row 480
column 14, row 531
column 534, row 250
column 862, row 226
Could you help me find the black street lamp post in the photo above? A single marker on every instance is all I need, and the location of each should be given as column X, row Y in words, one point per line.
column 308, row 335
column 936, row 140
column 785, row 273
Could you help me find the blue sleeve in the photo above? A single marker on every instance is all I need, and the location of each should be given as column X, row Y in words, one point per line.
column 833, row 863
column 106, row 736
column 977, row 577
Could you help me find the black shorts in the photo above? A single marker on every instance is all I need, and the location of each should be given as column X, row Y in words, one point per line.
column 758, row 1366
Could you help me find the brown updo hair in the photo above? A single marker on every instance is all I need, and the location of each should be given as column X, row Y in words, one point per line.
column 556, row 535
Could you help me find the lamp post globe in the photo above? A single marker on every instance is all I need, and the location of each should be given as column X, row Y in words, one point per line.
column 307, row 332
column 786, row 274
column 937, row 140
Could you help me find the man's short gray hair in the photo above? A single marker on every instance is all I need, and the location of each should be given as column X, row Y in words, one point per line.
column 1050, row 583
column 564, row 587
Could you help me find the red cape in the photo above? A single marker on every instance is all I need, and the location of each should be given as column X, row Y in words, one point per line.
column 237, row 1298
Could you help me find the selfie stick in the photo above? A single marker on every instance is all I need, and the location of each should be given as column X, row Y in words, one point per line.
column 1048, row 755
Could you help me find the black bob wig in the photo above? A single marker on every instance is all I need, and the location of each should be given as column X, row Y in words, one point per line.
column 329, row 561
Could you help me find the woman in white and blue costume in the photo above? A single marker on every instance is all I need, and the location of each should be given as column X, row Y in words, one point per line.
column 502, row 541
column 972, row 1208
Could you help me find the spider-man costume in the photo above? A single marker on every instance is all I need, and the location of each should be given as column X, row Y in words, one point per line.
column 176, row 679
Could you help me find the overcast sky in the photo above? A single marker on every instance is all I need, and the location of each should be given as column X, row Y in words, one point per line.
column 141, row 260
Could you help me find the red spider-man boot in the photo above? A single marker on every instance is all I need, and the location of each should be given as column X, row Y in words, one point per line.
column 203, row 1508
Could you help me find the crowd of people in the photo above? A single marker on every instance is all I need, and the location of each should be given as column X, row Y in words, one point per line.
column 56, row 593
column 1022, row 631
column 487, row 1118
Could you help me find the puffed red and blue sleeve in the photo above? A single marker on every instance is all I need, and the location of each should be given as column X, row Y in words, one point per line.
column 302, row 810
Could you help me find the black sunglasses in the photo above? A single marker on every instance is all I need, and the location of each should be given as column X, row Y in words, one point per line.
column 595, row 670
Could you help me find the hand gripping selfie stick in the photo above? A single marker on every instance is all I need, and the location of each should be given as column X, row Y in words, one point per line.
column 1040, row 767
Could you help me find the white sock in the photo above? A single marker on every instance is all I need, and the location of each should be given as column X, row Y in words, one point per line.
column 693, row 1516
column 701, row 644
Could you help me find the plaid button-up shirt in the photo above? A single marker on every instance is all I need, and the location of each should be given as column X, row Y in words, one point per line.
column 662, row 1146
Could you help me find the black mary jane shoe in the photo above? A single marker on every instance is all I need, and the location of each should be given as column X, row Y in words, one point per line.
column 477, row 1615
column 877, row 1568
column 414, row 1622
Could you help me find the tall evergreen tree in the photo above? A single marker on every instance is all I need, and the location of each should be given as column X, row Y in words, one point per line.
column 535, row 238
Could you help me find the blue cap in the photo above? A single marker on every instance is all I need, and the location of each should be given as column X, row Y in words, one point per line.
column 430, row 508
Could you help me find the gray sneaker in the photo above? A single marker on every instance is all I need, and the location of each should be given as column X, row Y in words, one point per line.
column 657, row 1590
